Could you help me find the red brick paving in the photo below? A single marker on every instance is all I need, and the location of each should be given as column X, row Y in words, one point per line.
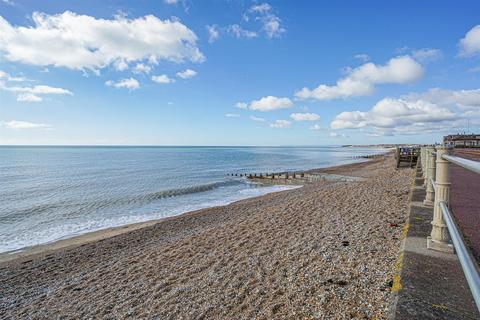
column 465, row 200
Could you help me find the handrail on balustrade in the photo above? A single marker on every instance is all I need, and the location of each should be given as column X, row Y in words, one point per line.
column 470, row 268
column 464, row 163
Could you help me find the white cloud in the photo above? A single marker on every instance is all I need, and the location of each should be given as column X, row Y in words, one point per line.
column 271, row 23
column 241, row 105
column 33, row 94
column 142, row 68
column 4, row 76
column 281, row 124
column 232, row 115
column 317, row 127
column 362, row 57
column 262, row 14
column 170, row 1
column 186, row 74
column 270, row 103
column 463, row 99
column 120, row 65
column 427, row 54
column 257, row 119
column 94, row 43
column 394, row 115
column 361, row 81
column 272, row 26
column 337, row 134
column 305, row 116
column 29, row 97
column 40, row 89
column 475, row 69
column 26, row 93
column 213, row 33
column 129, row 83
column 239, row 32
column 9, row 2
column 261, row 8
column 470, row 44
column 18, row 125
column 163, row 78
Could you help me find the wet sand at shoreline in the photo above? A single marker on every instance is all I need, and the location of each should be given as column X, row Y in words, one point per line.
column 327, row 250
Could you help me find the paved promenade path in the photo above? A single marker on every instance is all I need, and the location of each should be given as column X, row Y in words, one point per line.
column 465, row 200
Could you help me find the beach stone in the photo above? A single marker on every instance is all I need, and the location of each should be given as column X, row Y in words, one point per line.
column 284, row 255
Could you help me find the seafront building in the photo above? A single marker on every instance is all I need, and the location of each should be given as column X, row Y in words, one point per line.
column 462, row 140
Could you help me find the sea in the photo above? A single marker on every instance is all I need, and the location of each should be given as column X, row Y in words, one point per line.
column 48, row 193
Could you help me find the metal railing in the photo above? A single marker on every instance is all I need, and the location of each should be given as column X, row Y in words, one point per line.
column 468, row 266
column 465, row 163
column 435, row 168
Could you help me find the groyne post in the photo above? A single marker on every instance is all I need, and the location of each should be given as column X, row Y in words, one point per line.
column 439, row 237
column 430, row 175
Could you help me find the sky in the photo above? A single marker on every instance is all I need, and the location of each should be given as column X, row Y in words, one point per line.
column 237, row 72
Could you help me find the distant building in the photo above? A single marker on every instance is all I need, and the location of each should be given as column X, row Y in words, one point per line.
column 462, row 140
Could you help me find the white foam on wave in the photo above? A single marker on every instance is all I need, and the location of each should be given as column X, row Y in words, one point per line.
column 70, row 229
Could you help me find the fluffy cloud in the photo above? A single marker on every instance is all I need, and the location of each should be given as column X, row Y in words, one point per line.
column 162, row 79
column 19, row 125
column 317, row 127
column 362, row 57
column 186, row 74
column 238, row 32
column 270, row 103
column 241, row 105
column 305, row 116
column 431, row 111
column 393, row 115
column 361, row 81
column 261, row 8
column 40, row 89
column 271, row 23
column 142, row 68
column 35, row 93
column 129, row 83
column 337, row 134
column 29, row 97
column 463, row 99
column 281, row 124
column 257, row 119
column 94, row 43
column 470, row 44
column 427, row 54
column 4, row 76
column 213, row 33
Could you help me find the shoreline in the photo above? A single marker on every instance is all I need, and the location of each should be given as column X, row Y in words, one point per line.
column 289, row 254
column 35, row 251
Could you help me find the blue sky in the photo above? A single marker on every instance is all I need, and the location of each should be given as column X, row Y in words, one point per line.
column 237, row 72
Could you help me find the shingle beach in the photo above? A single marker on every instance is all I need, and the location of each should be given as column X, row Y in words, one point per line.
column 327, row 250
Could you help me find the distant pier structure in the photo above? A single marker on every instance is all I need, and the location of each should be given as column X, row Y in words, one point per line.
column 462, row 140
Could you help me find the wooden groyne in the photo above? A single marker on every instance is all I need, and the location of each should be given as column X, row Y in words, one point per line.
column 300, row 176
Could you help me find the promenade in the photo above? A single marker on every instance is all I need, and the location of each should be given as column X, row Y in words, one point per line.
column 431, row 284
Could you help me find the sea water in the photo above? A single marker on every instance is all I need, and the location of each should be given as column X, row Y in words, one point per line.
column 52, row 193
